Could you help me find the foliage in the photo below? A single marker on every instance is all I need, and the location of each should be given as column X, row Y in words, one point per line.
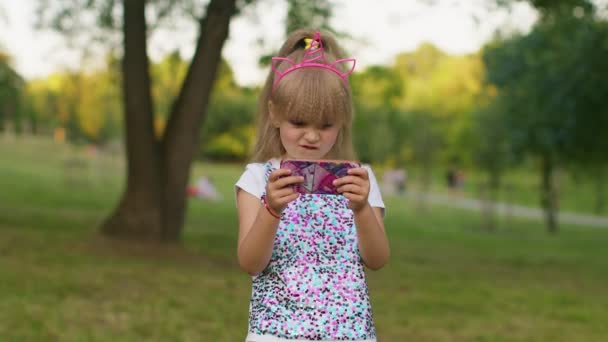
column 87, row 105
column 309, row 13
column 229, row 132
column 377, row 91
column 492, row 150
column 549, row 85
column 96, row 24
column 544, row 91
column 376, row 134
column 448, row 88
column 303, row 13
column 378, row 86
column 553, row 81
column 167, row 76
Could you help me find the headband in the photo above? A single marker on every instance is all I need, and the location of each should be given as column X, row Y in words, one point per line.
column 314, row 57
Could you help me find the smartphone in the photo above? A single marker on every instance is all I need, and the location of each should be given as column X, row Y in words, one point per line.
column 318, row 174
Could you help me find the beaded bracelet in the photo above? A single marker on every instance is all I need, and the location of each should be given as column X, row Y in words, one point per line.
column 270, row 210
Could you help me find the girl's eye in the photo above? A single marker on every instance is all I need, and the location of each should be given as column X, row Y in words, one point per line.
column 328, row 125
column 297, row 123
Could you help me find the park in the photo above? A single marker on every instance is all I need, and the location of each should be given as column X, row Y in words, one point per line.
column 493, row 169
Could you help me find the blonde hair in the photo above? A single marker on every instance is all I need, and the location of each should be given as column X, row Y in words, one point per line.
column 311, row 95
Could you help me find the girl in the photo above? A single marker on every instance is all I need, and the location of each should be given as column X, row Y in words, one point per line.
column 306, row 252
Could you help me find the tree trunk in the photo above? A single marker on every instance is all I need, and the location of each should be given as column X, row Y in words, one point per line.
column 33, row 120
column 489, row 197
column 425, row 147
column 153, row 204
column 600, row 190
column 2, row 116
column 548, row 194
column 425, row 186
column 189, row 111
column 8, row 114
column 139, row 213
column 15, row 109
column 507, row 198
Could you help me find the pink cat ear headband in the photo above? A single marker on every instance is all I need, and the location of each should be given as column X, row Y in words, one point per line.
column 314, row 57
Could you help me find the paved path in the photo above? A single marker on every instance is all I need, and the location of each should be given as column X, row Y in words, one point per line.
column 513, row 209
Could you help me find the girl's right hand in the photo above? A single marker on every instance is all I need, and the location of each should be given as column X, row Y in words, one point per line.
column 279, row 190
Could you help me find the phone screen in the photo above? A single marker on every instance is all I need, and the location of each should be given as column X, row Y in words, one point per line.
column 318, row 174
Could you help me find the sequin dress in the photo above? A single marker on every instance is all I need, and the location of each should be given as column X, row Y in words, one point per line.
column 314, row 286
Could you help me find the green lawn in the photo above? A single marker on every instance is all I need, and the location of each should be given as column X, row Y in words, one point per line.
column 447, row 280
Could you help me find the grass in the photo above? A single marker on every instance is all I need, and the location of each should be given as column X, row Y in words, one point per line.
column 448, row 280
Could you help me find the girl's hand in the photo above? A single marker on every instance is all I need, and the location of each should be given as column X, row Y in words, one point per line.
column 279, row 191
column 355, row 187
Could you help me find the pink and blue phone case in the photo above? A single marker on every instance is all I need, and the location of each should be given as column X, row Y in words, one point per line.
column 318, row 174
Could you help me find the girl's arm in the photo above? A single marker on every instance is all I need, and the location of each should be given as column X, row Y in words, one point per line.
column 373, row 242
column 257, row 227
column 257, row 230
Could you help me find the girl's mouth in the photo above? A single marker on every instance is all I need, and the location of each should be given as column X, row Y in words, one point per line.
column 308, row 147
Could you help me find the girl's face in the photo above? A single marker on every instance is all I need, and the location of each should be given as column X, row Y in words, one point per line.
column 304, row 140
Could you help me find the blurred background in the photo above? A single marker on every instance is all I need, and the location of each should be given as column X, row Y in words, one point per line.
column 125, row 124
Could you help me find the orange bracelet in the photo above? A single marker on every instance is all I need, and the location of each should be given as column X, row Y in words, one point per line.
column 270, row 211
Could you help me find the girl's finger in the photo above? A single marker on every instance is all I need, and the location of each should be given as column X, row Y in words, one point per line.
column 360, row 172
column 286, row 181
column 291, row 197
column 278, row 173
column 353, row 197
column 280, row 193
column 281, row 202
column 354, row 180
column 348, row 180
column 351, row 188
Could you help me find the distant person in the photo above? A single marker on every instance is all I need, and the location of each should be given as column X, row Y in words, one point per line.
column 401, row 179
column 450, row 179
column 204, row 189
column 459, row 180
column 394, row 181
column 455, row 181
column 304, row 252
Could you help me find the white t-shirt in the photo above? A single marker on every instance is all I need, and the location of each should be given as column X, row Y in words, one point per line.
column 253, row 181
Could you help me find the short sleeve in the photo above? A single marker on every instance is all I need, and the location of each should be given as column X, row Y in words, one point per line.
column 375, row 197
column 252, row 180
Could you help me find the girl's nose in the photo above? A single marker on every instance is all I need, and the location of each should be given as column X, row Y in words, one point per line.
column 312, row 135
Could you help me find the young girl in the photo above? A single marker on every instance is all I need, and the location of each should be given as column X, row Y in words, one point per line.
column 306, row 252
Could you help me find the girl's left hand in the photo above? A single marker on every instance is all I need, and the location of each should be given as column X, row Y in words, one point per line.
column 355, row 187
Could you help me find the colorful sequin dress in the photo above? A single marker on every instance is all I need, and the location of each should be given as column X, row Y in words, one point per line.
column 314, row 286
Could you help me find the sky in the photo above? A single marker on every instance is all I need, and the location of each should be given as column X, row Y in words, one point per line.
column 379, row 32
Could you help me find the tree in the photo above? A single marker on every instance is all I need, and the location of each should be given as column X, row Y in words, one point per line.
column 303, row 13
column 11, row 85
column 153, row 203
column 549, row 82
column 419, row 102
column 377, row 91
column 491, row 153
column 308, row 13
